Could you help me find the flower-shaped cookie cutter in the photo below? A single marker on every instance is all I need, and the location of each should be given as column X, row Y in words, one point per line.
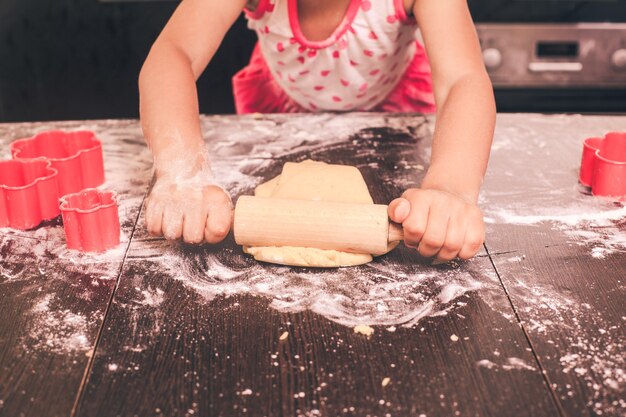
column 28, row 193
column 603, row 165
column 91, row 220
column 77, row 156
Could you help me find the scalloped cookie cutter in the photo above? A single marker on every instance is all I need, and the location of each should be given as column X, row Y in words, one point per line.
column 28, row 193
column 76, row 155
column 603, row 165
column 91, row 220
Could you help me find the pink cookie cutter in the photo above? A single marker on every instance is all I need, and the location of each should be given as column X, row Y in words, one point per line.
column 28, row 193
column 91, row 220
column 603, row 165
column 77, row 156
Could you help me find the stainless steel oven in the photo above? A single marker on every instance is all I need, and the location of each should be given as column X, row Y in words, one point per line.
column 557, row 55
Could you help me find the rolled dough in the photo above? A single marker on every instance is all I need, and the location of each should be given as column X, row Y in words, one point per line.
column 317, row 181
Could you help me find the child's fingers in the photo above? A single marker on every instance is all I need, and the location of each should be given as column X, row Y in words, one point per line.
column 217, row 226
column 474, row 236
column 415, row 224
column 435, row 234
column 219, row 217
column 172, row 221
column 154, row 217
column 195, row 222
column 473, row 242
column 399, row 209
column 455, row 237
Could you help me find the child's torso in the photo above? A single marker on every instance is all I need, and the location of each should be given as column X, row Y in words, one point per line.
column 347, row 57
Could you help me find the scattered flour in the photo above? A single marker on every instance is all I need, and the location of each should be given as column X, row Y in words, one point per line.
column 152, row 297
column 486, row 363
column 509, row 364
column 381, row 293
column 589, row 210
column 575, row 338
column 596, row 359
column 590, row 222
column 58, row 331
column 547, row 196
column 517, row 363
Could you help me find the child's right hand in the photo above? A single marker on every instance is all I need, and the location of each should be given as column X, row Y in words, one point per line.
column 194, row 212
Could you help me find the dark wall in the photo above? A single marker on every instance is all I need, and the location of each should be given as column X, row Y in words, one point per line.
column 555, row 11
column 79, row 59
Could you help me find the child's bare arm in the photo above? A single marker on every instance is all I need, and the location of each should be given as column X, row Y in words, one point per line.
column 183, row 202
column 441, row 219
column 464, row 96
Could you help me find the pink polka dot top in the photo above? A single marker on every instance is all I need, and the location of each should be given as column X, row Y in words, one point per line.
column 356, row 67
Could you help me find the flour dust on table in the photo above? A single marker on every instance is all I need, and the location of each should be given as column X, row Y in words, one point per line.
column 589, row 346
column 58, row 323
column 58, row 330
column 380, row 293
column 397, row 289
column 562, row 314
column 555, row 198
column 586, row 221
column 73, row 285
column 248, row 151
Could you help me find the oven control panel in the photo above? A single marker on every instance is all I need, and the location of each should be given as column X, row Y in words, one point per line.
column 555, row 55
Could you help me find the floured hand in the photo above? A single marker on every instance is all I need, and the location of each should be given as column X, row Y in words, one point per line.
column 192, row 211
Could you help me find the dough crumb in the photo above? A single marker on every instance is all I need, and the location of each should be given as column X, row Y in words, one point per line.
column 391, row 329
column 284, row 336
column 247, row 391
column 454, row 338
column 364, row 329
column 386, row 381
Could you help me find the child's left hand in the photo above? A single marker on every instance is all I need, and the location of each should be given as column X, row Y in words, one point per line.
column 438, row 223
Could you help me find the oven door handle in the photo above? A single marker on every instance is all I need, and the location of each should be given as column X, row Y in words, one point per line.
column 555, row 66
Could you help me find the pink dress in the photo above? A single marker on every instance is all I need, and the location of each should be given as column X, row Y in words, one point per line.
column 371, row 62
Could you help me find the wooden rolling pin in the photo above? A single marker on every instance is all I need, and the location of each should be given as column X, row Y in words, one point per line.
column 357, row 228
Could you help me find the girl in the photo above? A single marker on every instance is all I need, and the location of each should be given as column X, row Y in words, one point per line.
column 326, row 55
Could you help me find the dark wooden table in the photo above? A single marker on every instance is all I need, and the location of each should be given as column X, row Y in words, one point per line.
column 533, row 326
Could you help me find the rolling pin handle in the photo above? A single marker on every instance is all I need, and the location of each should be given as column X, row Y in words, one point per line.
column 396, row 233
